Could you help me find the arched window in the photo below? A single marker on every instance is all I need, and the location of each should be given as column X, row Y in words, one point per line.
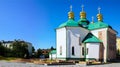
column 80, row 41
column 73, row 53
column 60, row 50
column 83, row 51
column 87, row 51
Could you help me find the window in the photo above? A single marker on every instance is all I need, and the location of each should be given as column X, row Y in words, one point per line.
column 80, row 41
column 82, row 50
column 73, row 53
column 87, row 51
column 60, row 50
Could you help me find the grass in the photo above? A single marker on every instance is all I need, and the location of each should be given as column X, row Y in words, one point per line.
column 7, row 58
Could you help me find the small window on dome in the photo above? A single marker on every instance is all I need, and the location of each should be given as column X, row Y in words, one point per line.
column 84, row 25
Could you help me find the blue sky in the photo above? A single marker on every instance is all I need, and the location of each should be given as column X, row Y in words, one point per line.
column 35, row 21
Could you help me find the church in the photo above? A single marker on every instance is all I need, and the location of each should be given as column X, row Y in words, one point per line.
column 84, row 40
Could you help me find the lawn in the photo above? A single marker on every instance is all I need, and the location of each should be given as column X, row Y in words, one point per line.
column 7, row 58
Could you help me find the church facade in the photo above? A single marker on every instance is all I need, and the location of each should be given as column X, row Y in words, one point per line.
column 83, row 40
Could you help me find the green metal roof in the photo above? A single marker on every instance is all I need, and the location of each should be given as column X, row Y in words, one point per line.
column 98, row 25
column 83, row 21
column 52, row 52
column 90, row 38
column 69, row 23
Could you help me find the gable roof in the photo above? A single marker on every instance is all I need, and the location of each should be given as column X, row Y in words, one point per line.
column 52, row 52
column 90, row 38
column 98, row 25
column 69, row 23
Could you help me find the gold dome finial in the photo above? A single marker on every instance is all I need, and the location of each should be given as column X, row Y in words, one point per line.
column 70, row 14
column 99, row 16
column 92, row 19
column 82, row 14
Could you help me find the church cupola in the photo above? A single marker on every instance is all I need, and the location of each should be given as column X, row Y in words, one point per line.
column 99, row 15
column 70, row 22
column 83, row 22
column 99, row 24
column 71, row 14
column 82, row 14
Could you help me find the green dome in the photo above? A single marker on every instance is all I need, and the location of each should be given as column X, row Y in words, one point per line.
column 69, row 23
column 83, row 22
column 98, row 25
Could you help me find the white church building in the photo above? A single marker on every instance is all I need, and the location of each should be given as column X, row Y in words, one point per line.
column 83, row 40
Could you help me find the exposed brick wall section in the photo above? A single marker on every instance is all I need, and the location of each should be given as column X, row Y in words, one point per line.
column 102, row 36
column 111, row 45
column 101, row 54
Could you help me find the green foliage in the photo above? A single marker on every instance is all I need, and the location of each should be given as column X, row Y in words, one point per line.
column 5, row 51
column 2, row 49
column 7, row 58
column 8, row 52
column 33, row 49
column 46, row 55
column 19, row 49
column 38, row 53
column 52, row 48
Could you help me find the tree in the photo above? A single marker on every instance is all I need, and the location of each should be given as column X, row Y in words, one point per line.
column 52, row 48
column 20, row 49
column 33, row 52
column 38, row 53
column 2, row 49
column 33, row 49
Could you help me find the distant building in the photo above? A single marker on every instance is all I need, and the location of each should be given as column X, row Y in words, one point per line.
column 29, row 48
column 8, row 43
column 52, row 55
column 45, row 51
column 118, row 45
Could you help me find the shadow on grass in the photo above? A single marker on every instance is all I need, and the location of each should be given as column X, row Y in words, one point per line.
column 7, row 58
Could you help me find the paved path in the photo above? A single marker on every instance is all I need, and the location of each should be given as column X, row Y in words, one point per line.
column 13, row 64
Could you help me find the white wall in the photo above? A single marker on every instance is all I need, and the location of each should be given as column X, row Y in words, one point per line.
column 29, row 48
column 73, row 35
column 53, row 56
column 6, row 45
column 95, row 32
column 61, row 41
column 93, row 50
